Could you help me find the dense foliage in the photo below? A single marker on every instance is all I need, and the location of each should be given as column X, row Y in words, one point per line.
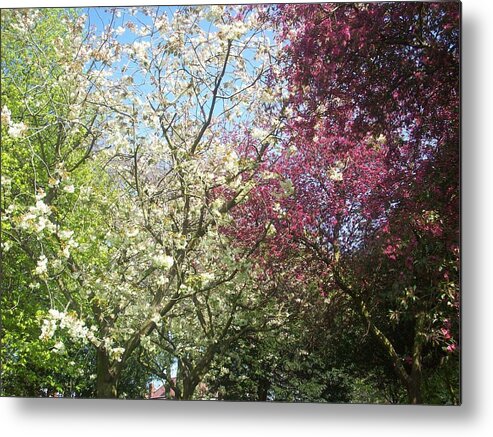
column 239, row 203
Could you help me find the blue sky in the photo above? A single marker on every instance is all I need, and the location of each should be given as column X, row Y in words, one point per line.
column 101, row 17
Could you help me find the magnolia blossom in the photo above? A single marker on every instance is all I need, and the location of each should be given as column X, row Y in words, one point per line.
column 162, row 260
column 42, row 266
column 43, row 223
column 17, row 130
column 140, row 49
column 48, row 329
column 40, row 208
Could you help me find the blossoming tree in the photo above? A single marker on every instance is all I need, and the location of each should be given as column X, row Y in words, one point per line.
column 363, row 198
column 48, row 133
column 373, row 159
column 169, row 143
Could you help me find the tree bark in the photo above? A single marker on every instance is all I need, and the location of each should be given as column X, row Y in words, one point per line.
column 414, row 391
column 263, row 390
column 106, row 378
column 188, row 389
column 414, row 382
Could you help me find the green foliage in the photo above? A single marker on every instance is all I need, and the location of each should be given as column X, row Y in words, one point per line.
column 441, row 385
column 32, row 94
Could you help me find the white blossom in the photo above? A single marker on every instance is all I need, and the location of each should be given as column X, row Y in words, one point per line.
column 156, row 318
column 140, row 49
column 259, row 134
column 232, row 31
column 41, row 224
column 17, row 130
column 42, row 266
column 162, row 260
column 216, row 12
column 161, row 23
column 55, row 314
column 48, row 329
column 382, row 139
column 76, row 328
column 335, row 172
column 5, row 118
column 5, row 181
column 41, row 208
column 91, row 336
column 208, row 276
column 53, row 182
column 65, row 234
column 120, row 30
column 6, row 246
column 59, row 347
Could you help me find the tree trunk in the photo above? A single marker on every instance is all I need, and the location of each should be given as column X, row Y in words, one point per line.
column 263, row 390
column 414, row 380
column 106, row 378
column 188, row 389
column 410, row 381
column 414, row 390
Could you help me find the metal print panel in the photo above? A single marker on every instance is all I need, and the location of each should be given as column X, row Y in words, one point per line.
column 249, row 203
